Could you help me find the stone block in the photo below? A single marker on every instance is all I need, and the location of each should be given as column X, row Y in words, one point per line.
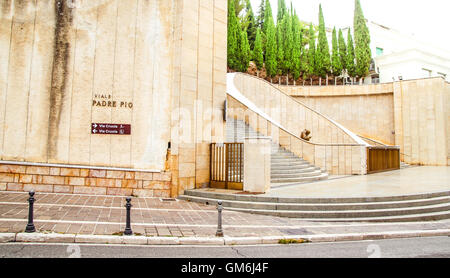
column 97, row 173
column 70, row 172
column 115, row 174
column 53, row 180
column 14, row 186
column 38, row 170
column 106, row 182
column 55, row 171
column 143, row 193
column 76, row 181
column 119, row 191
column 62, row 189
column 38, row 187
column 4, row 177
column 89, row 190
column 143, row 176
column 15, row 169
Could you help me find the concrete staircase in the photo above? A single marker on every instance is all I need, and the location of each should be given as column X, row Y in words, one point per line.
column 286, row 167
column 418, row 207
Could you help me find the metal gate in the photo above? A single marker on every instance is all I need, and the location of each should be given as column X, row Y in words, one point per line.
column 227, row 166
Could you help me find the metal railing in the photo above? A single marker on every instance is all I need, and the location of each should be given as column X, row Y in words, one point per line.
column 382, row 159
column 227, row 165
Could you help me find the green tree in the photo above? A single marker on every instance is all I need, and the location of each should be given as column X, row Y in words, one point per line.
column 335, row 59
column 297, row 47
column 282, row 10
column 244, row 52
column 258, row 51
column 310, row 68
column 250, row 24
column 233, row 36
column 342, row 50
column 261, row 14
column 267, row 17
column 362, row 42
column 271, row 47
column 350, row 61
column 280, row 47
column 323, row 63
column 288, row 44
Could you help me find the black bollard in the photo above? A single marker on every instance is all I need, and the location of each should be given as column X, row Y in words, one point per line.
column 128, row 230
column 30, row 226
column 219, row 222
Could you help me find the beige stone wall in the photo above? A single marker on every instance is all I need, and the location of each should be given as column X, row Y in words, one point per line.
column 167, row 58
column 57, row 60
column 199, row 93
column 289, row 113
column 58, row 179
column 336, row 159
column 417, row 111
column 422, row 120
column 366, row 110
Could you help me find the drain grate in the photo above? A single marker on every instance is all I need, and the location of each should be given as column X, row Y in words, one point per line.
column 168, row 200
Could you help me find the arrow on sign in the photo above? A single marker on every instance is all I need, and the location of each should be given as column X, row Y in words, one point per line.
column 95, row 125
column 95, row 131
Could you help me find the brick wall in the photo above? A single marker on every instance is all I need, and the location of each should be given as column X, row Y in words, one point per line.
column 84, row 181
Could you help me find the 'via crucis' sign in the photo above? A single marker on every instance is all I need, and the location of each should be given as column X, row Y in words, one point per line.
column 112, row 129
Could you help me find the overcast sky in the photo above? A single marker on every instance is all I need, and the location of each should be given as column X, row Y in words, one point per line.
column 427, row 20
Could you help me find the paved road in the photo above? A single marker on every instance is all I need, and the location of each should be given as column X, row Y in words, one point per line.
column 433, row 247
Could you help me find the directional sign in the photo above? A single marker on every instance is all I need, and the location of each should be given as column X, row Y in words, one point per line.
column 112, row 129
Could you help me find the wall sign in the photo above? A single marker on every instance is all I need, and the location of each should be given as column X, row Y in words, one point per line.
column 112, row 129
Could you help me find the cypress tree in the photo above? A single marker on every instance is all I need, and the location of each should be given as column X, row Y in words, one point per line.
column 233, row 36
column 323, row 63
column 250, row 24
column 362, row 42
column 257, row 50
column 280, row 47
column 267, row 16
column 281, row 10
column 271, row 47
column 310, row 69
column 288, row 43
column 261, row 14
column 342, row 50
column 244, row 52
column 350, row 61
column 297, row 47
column 335, row 60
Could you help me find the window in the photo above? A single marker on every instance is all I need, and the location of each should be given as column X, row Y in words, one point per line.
column 379, row 51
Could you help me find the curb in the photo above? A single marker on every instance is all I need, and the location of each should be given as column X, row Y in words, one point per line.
column 213, row 241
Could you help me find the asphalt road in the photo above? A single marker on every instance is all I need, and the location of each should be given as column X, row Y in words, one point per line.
column 430, row 247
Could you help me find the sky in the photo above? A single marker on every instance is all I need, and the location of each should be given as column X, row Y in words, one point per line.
column 426, row 20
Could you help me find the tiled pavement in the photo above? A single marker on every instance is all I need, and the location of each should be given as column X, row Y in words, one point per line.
column 105, row 215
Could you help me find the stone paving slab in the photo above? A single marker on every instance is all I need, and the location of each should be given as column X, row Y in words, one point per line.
column 91, row 216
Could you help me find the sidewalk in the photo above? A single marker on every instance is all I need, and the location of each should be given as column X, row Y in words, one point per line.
column 101, row 219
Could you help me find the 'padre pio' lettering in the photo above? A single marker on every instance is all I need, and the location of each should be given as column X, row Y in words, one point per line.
column 112, row 104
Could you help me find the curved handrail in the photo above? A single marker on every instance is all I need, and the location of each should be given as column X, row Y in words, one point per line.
column 235, row 93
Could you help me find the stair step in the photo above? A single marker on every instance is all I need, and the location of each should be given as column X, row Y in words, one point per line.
column 320, row 206
column 299, row 179
column 350, row 213
column 314, row 173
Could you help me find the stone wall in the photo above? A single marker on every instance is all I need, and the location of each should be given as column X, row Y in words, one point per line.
column 412, row 114
column 366, row 110
column 422, row 114
column 158, row 66
column 81, row 180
